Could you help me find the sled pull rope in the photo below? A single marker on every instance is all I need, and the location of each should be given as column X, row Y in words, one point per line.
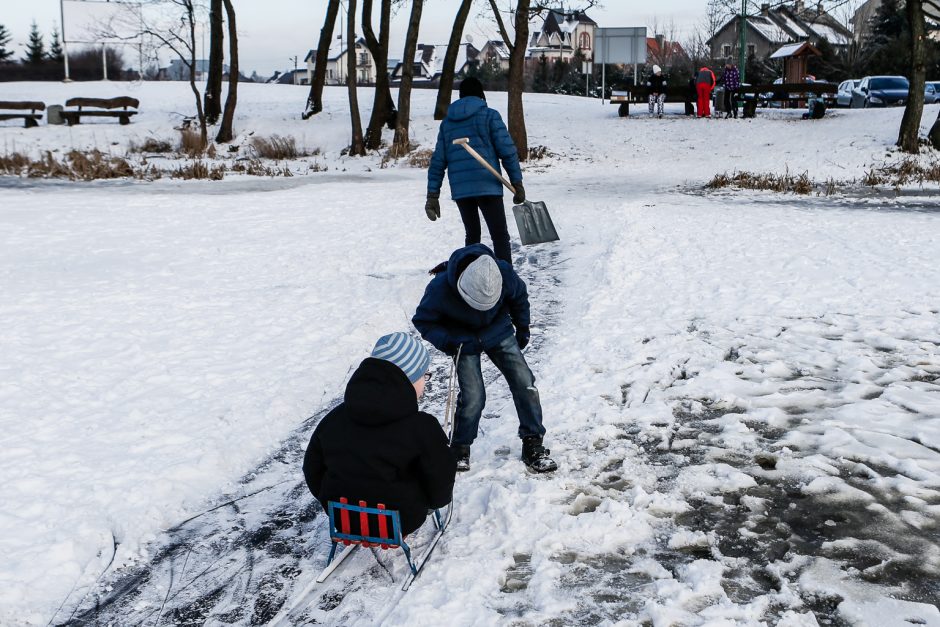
column 450, row 406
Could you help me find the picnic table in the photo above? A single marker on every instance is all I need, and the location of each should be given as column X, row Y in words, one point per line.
column 793, row 94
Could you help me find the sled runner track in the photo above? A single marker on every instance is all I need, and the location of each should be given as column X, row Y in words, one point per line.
column 240, row 561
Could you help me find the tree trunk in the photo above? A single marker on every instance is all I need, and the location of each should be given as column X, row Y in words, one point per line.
column 315, row 99
column 213, row 96
column 356, row 146
column 402, row 143
column 909, row 136
column 225, row 131
column 516, row 122
column 191, row 17
column 383, row 106
column 446, row 88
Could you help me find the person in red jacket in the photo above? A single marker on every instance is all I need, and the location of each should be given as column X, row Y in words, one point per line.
column 704, row 84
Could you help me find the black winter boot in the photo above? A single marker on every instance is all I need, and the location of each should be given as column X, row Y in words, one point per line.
column 462, row 454
column 535, row 456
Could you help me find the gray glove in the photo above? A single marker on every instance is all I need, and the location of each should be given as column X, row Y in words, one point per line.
column 519, row 197
column 433, row 206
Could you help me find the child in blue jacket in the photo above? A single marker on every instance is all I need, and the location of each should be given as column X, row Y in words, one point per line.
column 473, row 188
column 478, row 304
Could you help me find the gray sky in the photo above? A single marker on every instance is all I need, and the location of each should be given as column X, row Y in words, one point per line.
column 273, row 31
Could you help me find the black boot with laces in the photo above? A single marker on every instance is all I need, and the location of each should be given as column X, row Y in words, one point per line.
column 535, row 456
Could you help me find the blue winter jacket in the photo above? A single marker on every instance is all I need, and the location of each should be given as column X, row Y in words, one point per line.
column 446, row 321
column 470, row 117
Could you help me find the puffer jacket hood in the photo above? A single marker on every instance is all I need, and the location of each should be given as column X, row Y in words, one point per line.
column 465, row 108
column 379, row 393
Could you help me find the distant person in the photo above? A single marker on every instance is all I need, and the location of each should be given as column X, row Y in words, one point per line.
column 477, row 304
column 731, row 79
column 816, row 105
column 657, row 86
column 690, row 98
column 376, row 446
column 704, row 84
column 473, row 188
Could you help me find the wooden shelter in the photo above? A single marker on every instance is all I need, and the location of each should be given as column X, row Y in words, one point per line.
column 796, row 60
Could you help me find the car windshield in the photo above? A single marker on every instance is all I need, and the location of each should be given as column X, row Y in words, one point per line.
column 889, row 83
column 936, row 86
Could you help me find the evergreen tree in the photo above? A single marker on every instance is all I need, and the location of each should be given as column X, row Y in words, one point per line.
column 5, row 53
column 55, row 48
column 35, row 49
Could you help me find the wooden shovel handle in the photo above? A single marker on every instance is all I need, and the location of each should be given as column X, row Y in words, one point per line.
column 465, row 142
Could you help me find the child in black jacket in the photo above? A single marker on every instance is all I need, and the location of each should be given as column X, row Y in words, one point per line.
column 377, row 446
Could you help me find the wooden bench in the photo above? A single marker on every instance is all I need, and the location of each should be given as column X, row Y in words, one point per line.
column 31, row 119
column 101, row 107
column 792, row 94
column 640, row 94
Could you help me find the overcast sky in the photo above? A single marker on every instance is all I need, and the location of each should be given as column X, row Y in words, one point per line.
column 271, row 32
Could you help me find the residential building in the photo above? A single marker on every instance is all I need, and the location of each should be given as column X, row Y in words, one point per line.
column 862, row 18
column 495, row 52
column 336, row 64
column 664, row 53
column 778, row 26
column 562, row 36
column 428, row 62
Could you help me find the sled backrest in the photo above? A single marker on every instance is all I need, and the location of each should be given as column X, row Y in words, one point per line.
column 344, row 514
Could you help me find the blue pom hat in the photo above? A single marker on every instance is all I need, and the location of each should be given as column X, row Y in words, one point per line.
column 405, row 352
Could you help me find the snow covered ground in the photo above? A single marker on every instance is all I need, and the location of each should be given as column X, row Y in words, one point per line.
column 741, row 388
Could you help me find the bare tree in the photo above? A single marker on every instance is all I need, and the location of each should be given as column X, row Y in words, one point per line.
column 524, row 11
column 446, row 87
column 169, row 24
column 356, row 145
column 315, row 99
column 909, row 135
column 402, row 142
column 383, row 107
column 213, row 97
column 225, row 131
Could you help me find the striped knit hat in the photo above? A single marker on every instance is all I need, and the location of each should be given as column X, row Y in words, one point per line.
column 405, row 352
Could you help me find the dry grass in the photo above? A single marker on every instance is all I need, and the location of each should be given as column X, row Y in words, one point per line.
column 538, row 152
column 905, row 172
column 151, row 145
column 191, row 143
column 786, row 182
column 13, row 163
column 276, row 147
column 199, row 170
column 420, row 158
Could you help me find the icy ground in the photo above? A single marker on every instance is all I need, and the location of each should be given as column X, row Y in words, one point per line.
column 741, row 389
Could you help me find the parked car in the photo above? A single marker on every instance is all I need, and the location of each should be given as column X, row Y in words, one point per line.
column 844, row 95
column 931, row 92
column 881, row 91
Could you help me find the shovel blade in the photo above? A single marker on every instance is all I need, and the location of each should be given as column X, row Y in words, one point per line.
column 534, row 223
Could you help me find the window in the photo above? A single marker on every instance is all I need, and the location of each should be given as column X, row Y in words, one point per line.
column 363, row 58
column 726, row 50
column 584, row 41
column 751, row 50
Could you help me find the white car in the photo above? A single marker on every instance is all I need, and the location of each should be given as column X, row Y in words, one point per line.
column 844, row 95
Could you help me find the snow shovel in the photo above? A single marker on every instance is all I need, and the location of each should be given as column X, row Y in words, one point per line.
column 532, row 218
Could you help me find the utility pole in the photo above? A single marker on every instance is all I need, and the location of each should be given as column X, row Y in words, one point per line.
column 742, row 41
column 65, row 46
column 294, row 59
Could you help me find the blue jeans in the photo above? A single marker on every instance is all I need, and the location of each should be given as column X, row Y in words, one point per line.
column 472, row 397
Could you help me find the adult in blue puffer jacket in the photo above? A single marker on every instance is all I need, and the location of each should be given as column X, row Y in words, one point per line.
column 474, row 189
column 478, row 304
